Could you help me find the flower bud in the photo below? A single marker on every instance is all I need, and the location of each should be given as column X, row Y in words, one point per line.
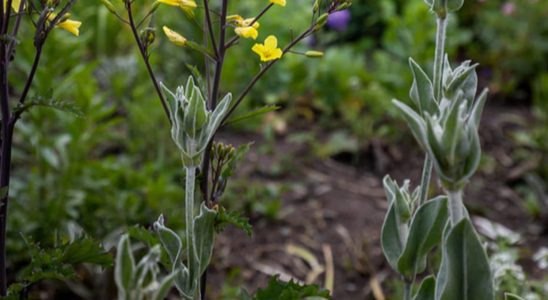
column 314, row 54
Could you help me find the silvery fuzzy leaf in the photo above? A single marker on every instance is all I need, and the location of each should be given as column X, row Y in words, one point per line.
column 185, row 284
column 463, row 78
column 164, row 286
column 148, row 265
column 196, row 115
column 474, row 154
column 170, row 241
column 204, row 238
column 425, row 232
column 391, row 238
column 464, row 272
column 399, row 197
column 477, row 109
column 415, row 122
column 452, row 132
column 125, row 268
column 422, row 92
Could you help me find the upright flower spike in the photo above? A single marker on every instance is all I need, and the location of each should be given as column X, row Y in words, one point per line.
column 174, row 37
column 278, row 2
column 269, row 50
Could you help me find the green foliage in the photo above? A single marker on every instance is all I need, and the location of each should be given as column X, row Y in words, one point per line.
column 291, row 290
column 464, row 271
column 225, row 218
column 59, row 262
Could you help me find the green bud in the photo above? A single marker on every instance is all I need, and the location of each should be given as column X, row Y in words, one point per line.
column 344, row 5
column 316, row 6
column 109, row 6
column 314, row 54
column 321, row 21
column 443, row 7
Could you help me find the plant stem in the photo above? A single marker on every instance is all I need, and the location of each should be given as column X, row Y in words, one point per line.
column 189, row 216
column 406, row 290
column 438, row 60
column 438, row 75
column 144, row 55
column 456, row 207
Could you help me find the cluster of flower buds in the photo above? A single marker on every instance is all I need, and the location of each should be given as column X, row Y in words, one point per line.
column 447, row 128
column 193, row 125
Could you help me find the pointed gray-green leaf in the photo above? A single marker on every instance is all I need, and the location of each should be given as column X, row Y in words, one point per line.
column 454, row 5
column 390, row 237
column 401, row 202
column 452, row 132
column 434, row 146
column 170, row 241
column 204, row 236
column 510, row 296
column 427, row 289
column 425, row 233
column 125, row 268
column 414, row 121
column 164, row 287
column 217, row 117
column 464, row 273
column 466, row 81
column 184, row 283
column 477, row 110
column 422, row 92
column 473, row 158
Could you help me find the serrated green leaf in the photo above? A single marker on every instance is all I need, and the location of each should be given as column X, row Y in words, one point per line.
column 225, row 218
column 464, row 273
column 50, row 103
column 280, row 290
column 86, row 250
column 251, row 114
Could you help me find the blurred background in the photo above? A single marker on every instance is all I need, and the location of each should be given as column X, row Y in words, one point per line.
column 311, row 184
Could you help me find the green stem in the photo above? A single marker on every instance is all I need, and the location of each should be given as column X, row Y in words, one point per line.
column 189, row 215
column 407, row 290
column 456, row 206
column 438, row 60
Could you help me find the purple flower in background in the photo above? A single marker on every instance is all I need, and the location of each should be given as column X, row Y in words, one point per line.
column 508, row 8
column 339, row 20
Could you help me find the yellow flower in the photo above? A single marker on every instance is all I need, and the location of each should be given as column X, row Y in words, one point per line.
column 15, row 4
column 71, row 26
column 269, row 50
column 174, row 37
column 247, row 32
column 278, row 2
column 186, row 5
column 248, row 21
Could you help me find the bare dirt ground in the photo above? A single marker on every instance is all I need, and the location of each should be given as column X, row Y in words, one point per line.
column 329, row 225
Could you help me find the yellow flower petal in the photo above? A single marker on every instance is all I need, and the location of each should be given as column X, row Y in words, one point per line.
column 271, row 42
column 174, row 37
column 269, row 50
column 71, row 26
column 248, row 21
column 278, row 2
column 247, row 32
column 15, row 4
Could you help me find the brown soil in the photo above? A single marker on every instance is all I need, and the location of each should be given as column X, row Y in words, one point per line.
column 335, row 211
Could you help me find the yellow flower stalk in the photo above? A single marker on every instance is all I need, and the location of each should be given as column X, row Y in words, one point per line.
column 186, row 5
column 174, row 37
column 269, row 50
column 247, row 32
column 278, row 2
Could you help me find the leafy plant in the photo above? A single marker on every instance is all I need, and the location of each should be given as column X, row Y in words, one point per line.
column 444, row 119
